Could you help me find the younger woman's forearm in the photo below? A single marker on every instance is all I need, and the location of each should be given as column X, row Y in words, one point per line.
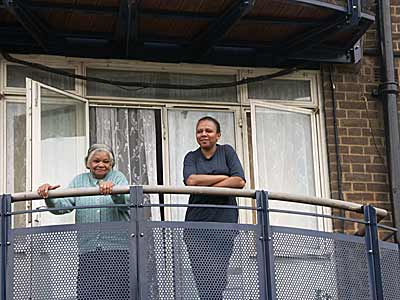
column 204, row 180
column 231, row 182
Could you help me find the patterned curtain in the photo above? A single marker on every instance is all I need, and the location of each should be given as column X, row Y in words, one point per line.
column 132, row 135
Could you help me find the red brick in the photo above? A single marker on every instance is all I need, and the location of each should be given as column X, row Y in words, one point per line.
column 354, row 140
column 357, row 168
column 360, row 177
column 356, row 158
column 356, row 150
column 359, row 187
column 377, row 187
column 376, row 169
column 353, row 123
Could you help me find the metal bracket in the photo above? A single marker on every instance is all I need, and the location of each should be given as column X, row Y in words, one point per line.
column 353, row 12
column 388, row 88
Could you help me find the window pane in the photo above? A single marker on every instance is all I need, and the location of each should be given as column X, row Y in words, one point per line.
column 216, row 95
column 182, row 139
column 62, row 135
column 285, row 161
column 62, row 146
column 16, row 77
column 279, row 89
column 16, row 156
column 16, row 147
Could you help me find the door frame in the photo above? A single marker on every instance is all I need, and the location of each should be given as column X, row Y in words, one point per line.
column 322, row 223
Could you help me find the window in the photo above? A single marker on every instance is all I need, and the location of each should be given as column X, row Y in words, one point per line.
column 281, row 90
column 214, row 95
column 16, row 74
column 59, row 138
column 134, row 137
column 286, row 146
column 275, row 126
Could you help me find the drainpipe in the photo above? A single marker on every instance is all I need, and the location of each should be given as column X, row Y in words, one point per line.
column 388, row 94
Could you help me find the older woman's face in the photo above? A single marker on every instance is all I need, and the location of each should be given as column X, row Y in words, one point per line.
column 100, row 164
column 206, row 134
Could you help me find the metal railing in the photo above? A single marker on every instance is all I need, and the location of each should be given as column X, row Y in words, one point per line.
column 171, row 260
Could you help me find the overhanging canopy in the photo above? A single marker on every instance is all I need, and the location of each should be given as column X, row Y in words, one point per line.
column 271, row 33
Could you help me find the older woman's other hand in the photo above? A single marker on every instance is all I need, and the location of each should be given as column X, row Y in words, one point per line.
column 106, row 187
column 44, row 189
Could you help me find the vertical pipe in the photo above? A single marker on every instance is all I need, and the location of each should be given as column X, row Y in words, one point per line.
column 337, row 148
column 372, row 243
column 263, row 221
column 388, row 92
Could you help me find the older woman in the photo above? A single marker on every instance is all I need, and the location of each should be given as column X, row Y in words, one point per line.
column 211, row 165
column 103, row 256
column 100, row 161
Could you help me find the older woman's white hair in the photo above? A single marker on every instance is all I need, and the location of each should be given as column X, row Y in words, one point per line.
column 99, row 148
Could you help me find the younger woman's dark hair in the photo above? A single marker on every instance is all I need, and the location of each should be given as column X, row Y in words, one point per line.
column 208, row 118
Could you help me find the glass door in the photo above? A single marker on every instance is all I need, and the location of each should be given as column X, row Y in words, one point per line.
column 57, row 135
column 182, row 139
column 286, row 158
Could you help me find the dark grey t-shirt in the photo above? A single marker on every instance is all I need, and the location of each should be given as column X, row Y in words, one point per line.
column 224, row 162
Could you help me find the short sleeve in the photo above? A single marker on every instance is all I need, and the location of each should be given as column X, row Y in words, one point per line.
column 233, row 162
column 189, row 166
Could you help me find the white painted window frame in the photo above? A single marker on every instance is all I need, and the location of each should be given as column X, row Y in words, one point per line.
column 241, row 107
column 33, row 125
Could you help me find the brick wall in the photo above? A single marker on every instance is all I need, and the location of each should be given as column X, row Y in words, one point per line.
column 361, row 136
column 360, row 120
column 361, row 131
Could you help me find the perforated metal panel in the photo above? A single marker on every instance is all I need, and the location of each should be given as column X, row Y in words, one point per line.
column 309, row 266
column 200, row 263
column 70, row 262
column 390, row 270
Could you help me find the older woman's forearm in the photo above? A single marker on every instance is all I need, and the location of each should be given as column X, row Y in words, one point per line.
column 204, row 180
column 231, row 182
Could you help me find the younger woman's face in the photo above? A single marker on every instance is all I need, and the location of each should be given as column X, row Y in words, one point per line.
column 206, row 134
column 100, row 164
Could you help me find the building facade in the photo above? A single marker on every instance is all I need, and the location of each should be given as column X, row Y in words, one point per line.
column 318, row 130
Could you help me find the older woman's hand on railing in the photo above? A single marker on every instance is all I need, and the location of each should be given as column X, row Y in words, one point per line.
column 44, row 189
column 105, row 187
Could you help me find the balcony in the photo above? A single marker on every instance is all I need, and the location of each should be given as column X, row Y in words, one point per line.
column 266, row 262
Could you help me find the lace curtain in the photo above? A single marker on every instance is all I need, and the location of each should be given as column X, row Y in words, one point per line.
column 132, row 135
column 285, row 161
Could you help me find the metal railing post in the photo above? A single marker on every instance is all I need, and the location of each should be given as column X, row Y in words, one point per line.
column 136, row 217
column 5, row 206
column 266, row 238
column 372, row 243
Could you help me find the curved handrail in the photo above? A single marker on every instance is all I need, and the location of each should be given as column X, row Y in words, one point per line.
column 162, row 189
